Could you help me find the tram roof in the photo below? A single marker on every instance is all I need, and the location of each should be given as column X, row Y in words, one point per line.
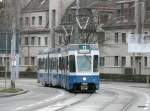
column 70, row 47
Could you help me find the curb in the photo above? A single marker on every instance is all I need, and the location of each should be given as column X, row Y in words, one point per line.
column 14, row 94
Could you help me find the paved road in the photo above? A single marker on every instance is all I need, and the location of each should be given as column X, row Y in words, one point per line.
column 112, row 96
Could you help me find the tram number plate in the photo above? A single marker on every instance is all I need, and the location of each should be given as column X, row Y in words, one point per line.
column 84, row 87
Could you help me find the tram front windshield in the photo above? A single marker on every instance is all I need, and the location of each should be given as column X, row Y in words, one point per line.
column 84, row 63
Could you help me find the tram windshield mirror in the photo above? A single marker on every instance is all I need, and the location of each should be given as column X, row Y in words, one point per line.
column 84, row 63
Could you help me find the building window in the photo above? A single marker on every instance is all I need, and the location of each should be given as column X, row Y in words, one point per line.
column 40, row 20
column 116, row 61
column 32, row 40
column 32, row 60
column 116, row 37
column 145, row 61
column 26, row 41
column 33, row 20
column 20, row 62
column 146, row 33
column 102, row 61
column 123, row 61
column 46, row 40
column 39, row 41
column 26, row 21
column 60, row 40
column 21, row 21
column 131, row 61
column 26, row 61
column 1, row 61
column 6, row 59
column 123, row 37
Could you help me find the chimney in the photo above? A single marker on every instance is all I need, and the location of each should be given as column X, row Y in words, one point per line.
column 139, row 16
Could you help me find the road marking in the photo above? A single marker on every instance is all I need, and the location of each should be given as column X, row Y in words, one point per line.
column 40, row 102
column 20, row 108
column 147, row 101
column 47, row 100
column 60, row 105
column 30, row 105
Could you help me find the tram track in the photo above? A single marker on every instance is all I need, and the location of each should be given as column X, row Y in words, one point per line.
column 130, row 103
column 116, row 98
column 108, row 104
column 77, row 102
column 63, row 103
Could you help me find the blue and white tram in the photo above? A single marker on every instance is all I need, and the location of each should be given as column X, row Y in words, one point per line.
column 74, row 67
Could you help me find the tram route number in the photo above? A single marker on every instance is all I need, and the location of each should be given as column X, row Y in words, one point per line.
column 84, row 49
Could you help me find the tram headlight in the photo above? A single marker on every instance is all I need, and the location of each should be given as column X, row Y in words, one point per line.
column 84, row 78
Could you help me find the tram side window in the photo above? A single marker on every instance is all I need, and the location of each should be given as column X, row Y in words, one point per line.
column 60, row 63
column 46, row 64
column 43, row 63
column 39, row 63
column 41, row 66
column 50, row 64
column 63, row 64
column 57, row 64
column 66, row 63
column 95, row 63
column 72, row 65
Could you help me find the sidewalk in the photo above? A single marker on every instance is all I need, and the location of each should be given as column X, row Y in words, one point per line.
column 12, row 94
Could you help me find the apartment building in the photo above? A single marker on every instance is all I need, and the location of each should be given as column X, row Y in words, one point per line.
column 115, row 58
column 34, row 22
column 38, row 21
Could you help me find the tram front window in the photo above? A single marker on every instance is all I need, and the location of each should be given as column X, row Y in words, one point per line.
column 84, row 63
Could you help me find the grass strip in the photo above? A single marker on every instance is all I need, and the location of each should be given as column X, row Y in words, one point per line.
column 10, row 90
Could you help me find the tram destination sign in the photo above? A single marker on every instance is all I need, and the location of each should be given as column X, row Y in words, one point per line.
column 84, row 49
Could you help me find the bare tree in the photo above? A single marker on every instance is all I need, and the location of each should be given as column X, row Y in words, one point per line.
column 9, row 22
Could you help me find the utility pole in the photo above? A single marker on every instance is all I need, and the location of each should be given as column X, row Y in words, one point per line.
column 13, row 54
column 6, row 64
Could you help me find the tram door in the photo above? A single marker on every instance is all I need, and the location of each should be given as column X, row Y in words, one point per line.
column 138, row 65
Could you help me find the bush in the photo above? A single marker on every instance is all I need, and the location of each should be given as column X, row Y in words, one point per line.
column 124, row 77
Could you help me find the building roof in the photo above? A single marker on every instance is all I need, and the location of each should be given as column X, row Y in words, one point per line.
column 69, row 17
column 84, row 3
column 127, row 21
column 124, row 24
column 119, row 24
column 103, row 5
column 36, row 6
